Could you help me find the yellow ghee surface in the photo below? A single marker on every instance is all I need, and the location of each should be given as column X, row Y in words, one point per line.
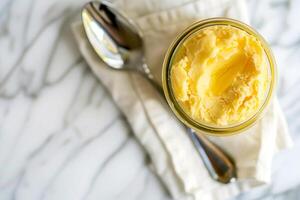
column 219, row 75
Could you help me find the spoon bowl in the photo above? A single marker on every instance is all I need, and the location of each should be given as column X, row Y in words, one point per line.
column 116, row 40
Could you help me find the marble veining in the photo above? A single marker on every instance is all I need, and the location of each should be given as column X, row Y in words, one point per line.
column 61, row 136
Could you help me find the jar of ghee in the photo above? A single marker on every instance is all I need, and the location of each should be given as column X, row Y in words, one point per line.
column 218, row 76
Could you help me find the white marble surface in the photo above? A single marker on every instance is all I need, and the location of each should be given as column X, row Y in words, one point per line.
column 61, row 137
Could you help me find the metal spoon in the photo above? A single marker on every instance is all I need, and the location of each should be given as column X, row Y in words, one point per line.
column 119, row 44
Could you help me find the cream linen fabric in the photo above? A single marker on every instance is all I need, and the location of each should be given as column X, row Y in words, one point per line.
column 173, row 156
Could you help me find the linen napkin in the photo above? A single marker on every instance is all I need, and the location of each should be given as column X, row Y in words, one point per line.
column 172, row 153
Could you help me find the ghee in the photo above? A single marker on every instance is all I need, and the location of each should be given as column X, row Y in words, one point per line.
column 219, row 75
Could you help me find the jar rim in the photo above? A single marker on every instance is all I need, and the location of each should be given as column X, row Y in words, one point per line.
column 177, row 109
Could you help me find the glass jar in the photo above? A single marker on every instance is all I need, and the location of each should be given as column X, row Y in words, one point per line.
column 203, row 127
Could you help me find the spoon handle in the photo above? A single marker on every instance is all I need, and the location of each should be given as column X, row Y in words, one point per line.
column 219, row 164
